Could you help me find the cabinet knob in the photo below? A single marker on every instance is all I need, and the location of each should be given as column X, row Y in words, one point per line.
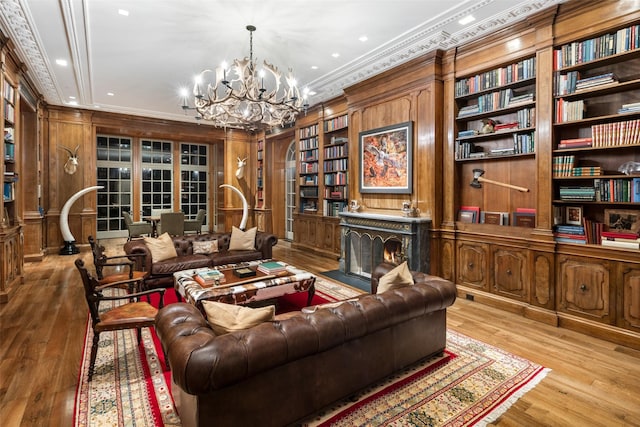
column 509, row 272
column 470, row 265
column 583, row 287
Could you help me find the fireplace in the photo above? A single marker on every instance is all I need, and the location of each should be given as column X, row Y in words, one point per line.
column 368, row 239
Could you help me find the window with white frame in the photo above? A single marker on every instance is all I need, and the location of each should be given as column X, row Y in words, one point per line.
column 193, row 179
column 114, row 175
column 157, row 175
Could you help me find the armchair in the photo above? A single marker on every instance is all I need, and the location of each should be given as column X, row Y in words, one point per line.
column 138, row 228
column 195, row 224
column 135, row 314
column 172, row 223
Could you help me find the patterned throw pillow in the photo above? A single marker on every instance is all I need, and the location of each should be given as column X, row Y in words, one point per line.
column 205, row 248
column 224, row 318
column 242, row 240
column 397, row 278
column 161, row 248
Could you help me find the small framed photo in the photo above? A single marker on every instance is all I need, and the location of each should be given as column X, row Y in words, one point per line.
column 622, row 221
column 573, row 215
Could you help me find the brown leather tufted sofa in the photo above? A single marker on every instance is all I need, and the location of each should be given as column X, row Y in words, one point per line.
column 161, row 273
column 278, row 372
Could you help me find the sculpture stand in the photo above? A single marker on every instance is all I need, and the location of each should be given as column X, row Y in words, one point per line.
column 69, row 248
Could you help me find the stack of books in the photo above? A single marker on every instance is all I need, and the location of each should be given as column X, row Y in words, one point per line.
column 599, row 80
column 620, row 240
column 570, row 234
column 629, row 108
column 585, row 194
column 520, row 99
column 575, row 143
column 272, row 267
column 209, row 277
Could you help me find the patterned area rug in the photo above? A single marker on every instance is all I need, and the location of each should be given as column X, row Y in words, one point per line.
column 471, row 384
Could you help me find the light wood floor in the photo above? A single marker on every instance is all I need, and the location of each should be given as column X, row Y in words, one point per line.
column 592, row 383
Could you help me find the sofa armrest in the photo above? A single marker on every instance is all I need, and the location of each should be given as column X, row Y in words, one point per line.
column 265, row 243
column 141, row 252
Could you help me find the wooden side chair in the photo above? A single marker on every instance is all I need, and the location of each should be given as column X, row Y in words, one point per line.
column 116, row 268
column 132, row 314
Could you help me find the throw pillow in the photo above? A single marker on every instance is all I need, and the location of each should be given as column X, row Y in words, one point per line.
column 243, row 240
column 397, row 278
column 161, row 248
column 206, row 248
column 224, row 318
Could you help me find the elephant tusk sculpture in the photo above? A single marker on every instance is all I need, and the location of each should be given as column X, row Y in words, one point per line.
column 245, row 206
column 69, row 247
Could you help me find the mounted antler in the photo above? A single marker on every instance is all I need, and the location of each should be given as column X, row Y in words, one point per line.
column 240, row 171
column 71, row 165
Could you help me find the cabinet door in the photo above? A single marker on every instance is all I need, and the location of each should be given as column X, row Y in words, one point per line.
column 585, row 288
column 472, row 264
column 631, row 298
column 511, row 272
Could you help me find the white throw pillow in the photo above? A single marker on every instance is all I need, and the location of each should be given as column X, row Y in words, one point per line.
column 399, row 277
column 224, row 318
column 161, row 248
column 243, row 240
column 205, row 248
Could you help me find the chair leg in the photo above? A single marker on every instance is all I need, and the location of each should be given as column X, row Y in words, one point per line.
column 94, row 353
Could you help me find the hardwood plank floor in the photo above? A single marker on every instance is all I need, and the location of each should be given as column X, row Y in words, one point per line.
column 592, row 383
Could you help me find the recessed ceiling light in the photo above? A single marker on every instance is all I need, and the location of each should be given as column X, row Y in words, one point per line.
column 363, row 38
column 335, row 55
column 312, row 92
column 466, row 20
column 123, row 12
column 110, row 93
column 61, row 62
column 314, row 67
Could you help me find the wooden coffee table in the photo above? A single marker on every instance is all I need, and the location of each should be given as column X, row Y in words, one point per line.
column 236, row 290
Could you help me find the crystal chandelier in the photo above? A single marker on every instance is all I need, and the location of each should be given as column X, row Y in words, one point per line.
column 238, row 97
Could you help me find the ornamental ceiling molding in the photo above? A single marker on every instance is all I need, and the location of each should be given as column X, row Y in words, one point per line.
column 423, row 40
column 14, row 21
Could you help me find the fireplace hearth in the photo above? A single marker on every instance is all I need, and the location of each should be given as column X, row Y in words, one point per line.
column 368, row 239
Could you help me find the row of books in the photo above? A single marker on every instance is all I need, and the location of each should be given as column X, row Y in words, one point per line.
column 495, row 101
column 567, row 111
column 336, row 123
column 522, row 70
column 615, row 134
column 564, row 166
column 309, row 167
column 333, row 208
column 308, row 131
column 335, row 165
column 336, row 192
column 309, row 155
column 309, row 191
column 523, row 143
column 522, row 217
column 623, row 190
column 336, row 178
column 336, row 151
column 309, row 179
column 618, row 42
column 309, row 143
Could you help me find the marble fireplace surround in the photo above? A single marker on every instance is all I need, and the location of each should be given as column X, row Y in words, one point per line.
column 369, row 238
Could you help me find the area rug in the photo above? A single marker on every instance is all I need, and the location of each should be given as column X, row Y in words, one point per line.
column 471, row 384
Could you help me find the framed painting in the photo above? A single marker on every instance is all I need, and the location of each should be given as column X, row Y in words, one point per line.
column 386, row 159
column 573, row 215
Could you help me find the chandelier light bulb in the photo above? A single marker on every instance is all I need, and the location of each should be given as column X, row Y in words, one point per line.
column 241, row 99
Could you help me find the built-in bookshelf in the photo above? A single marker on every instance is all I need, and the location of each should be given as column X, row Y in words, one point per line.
column 335, row 165
column 596, row 152
column 10, row 173
column 260, row 191
column 309, row 152
column 495, row 132
column 496, row 112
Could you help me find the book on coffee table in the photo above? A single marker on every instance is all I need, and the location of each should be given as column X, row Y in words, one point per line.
column 272, row 267
column 209, row 277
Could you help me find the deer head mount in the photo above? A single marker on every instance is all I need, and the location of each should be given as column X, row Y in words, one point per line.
column 240, row 170
column 71, row 165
